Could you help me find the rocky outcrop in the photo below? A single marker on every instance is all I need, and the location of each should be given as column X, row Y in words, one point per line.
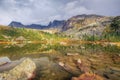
column 56, row 24
column 82, row 25
column 24, row 71
column 82, row 20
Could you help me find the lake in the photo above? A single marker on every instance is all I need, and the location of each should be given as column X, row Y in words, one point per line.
column 100, row 59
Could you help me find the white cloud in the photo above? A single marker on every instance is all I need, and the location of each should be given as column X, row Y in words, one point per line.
column 73, row 8
column 43, row 11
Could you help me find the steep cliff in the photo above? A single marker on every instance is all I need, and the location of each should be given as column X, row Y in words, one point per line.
column 81, row 25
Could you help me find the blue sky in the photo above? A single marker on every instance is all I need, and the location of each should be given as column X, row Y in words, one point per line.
column 44, row 11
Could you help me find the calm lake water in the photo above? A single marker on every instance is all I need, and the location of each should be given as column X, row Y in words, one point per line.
column 45, row 56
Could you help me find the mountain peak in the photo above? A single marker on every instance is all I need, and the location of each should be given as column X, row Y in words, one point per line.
column 16, row 24
column 88, row 16
column 83, row 20
column 56, row 24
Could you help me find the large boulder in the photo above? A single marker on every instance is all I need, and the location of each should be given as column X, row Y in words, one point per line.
column 24, row 71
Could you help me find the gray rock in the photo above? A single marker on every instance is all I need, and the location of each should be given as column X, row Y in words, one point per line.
column 24, row 71
column 4, row 60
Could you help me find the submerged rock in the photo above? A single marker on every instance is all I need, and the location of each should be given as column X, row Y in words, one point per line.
column 88, row 76
column 23, row 71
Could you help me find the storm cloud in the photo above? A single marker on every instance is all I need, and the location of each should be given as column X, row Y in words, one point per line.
column 44, row 11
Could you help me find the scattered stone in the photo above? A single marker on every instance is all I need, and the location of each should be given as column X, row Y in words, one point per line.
column 63, row 43
column 82, row 47
column 82, row 66
column 106, row 76
column 72, row 54
column 53, row 74
column 61, row 64
column 119, row 55
column 115, row 69
column 20, row 38
column 24, row 71
column 70, row 69
column 79, row 61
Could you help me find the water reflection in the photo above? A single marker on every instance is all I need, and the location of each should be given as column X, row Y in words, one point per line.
column 17, row 51
column 49, row 70
column 45, row 56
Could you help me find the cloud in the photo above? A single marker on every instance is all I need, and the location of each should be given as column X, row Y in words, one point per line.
column 44, row 11
column 74, row 8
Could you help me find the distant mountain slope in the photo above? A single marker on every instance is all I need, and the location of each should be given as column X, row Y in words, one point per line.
column 81, row 25
column 82, row 20
column 36, row 26
column 16, row 24
column 20, row 25
column 58, row 24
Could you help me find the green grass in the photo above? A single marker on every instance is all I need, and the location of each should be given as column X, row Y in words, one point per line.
column 106, row 36
column 28, row 34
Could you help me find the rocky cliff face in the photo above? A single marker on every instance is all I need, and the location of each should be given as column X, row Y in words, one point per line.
column 80, row 25
column 83, row 20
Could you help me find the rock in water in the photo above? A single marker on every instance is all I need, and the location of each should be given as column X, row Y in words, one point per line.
column 4, row 60
column 23, row 71
column 88, row 76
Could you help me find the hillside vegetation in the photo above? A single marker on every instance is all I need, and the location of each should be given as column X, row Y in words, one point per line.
column 11, row 34
column 93, row 28
column 112, row 32
column 81, row 27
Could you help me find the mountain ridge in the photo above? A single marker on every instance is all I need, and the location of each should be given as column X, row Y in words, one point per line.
column 55, row 24
column 60, row 24
column 78, row 26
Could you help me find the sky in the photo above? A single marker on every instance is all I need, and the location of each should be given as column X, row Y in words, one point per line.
column 44, row 11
